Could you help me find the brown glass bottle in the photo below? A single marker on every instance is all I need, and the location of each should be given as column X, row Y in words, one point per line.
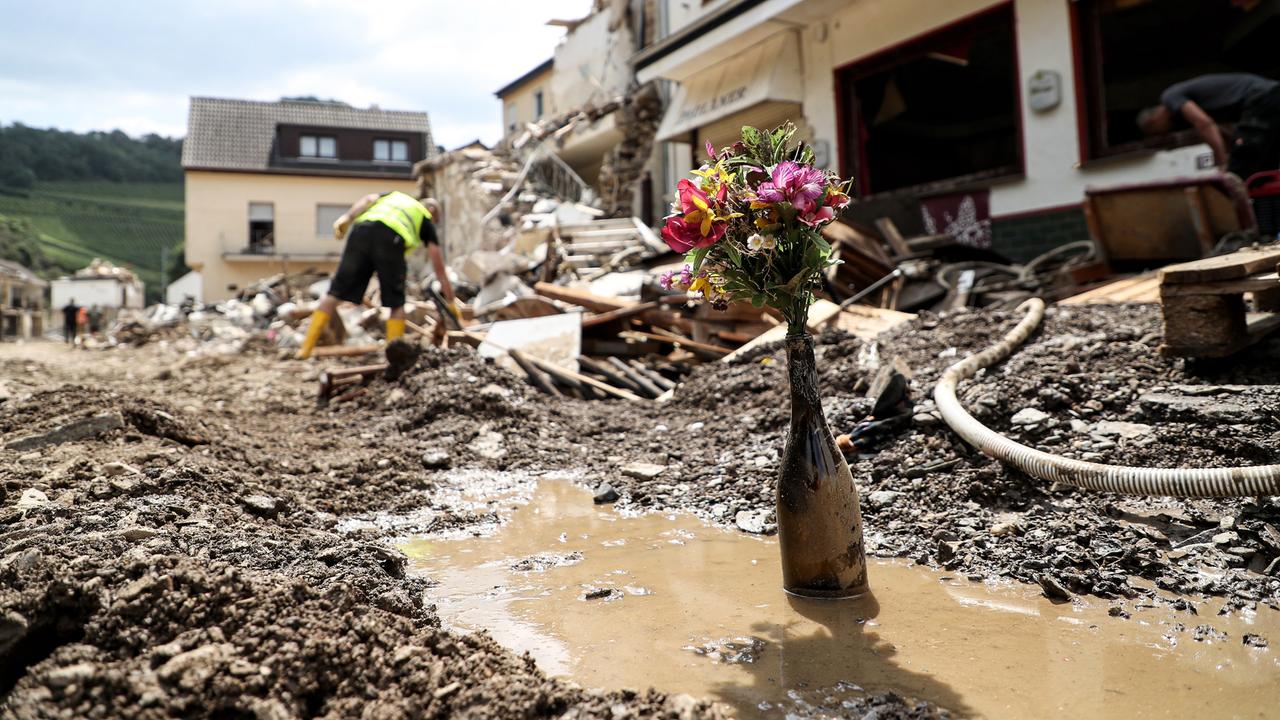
column 819, row 521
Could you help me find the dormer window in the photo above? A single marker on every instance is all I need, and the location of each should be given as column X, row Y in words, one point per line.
column 390, row 151
column 318, row 146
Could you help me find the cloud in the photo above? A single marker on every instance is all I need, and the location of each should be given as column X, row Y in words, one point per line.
column 85, row 65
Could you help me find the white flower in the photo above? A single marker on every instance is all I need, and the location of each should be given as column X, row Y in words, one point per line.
column 769, row 242
column 755, row 242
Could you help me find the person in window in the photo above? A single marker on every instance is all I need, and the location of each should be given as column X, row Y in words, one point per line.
column 1250, row 101
column 384, row 229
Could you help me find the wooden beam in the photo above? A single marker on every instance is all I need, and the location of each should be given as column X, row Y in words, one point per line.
column 619, row 314
column 582, row 298
column 715, row 351
column 1223, row 267
column 893, row 236
column 332, row 351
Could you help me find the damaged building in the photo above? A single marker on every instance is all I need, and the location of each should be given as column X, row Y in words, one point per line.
column 984, row 120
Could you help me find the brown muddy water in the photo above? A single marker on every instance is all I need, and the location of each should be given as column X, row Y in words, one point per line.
column 668, row 601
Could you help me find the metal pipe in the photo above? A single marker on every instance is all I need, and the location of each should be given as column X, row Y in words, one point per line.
column 1246, row 481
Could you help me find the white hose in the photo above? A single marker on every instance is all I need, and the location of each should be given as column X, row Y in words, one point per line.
column 1176, row 482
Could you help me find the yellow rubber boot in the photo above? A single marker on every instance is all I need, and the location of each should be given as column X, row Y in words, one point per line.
column 319, row 319
column 395, row 329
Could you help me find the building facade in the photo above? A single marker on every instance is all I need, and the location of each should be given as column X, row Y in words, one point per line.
column 985, row 119
column 22, row 305
column 527, row 99
column 266, row 180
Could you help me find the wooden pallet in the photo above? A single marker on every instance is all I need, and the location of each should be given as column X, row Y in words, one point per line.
column 1143, row 288
column 1204, row 308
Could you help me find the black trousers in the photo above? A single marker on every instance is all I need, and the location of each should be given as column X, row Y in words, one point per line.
column 371, row 247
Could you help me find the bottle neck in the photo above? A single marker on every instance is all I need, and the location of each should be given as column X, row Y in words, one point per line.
column 802, row 372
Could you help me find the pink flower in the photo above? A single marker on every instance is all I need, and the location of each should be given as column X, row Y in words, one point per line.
column 697, row 224
column 791, row 182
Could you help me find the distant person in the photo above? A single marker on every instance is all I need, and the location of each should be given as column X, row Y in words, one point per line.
column 82, row 320
column 70, row 315
column 1250, row 101
column 384, row 229
column 95, row 320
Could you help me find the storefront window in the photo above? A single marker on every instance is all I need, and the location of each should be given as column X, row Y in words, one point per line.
column 937, row 112
column 1129, row 51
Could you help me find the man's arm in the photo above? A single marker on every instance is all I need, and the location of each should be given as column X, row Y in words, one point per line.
column 437, row 263
column 341, row 224
column 1208, row 131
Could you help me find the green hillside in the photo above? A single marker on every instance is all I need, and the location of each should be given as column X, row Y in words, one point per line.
column 129, row 224
column 66, row 198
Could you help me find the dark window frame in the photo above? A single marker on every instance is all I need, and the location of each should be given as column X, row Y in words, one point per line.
column 852, row 156
column 392, row 143
column 319, row 142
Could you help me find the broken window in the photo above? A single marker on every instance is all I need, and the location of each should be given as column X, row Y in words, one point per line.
column 537, row 105
column 390, row 151
column 326, row 216
column 942, row 109
column 1131, row 50
column 318, row 146
column 262, row 228
column 511, row 117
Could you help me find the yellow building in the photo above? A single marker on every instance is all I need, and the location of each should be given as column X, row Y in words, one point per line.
column 266, row 180
column 527, row 98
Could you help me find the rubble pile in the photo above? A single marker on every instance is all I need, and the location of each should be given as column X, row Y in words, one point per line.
column 624, row 165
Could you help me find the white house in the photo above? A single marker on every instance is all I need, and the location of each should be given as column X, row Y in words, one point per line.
column 187, row 286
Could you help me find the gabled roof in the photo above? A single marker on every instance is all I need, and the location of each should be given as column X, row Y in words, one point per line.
column 21, row 273
column 227, row 134
column 525, row 78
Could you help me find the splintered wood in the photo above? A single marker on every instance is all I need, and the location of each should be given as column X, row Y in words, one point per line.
column 1204, row 303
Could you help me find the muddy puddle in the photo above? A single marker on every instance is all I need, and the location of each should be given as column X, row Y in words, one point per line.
column 666, row 601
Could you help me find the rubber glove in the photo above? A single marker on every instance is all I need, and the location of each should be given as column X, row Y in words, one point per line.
column 340, row 228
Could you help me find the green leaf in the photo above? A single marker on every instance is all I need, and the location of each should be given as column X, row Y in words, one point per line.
column 734, row 256
column 757, row 300
column 751, row 136
column 696, row 257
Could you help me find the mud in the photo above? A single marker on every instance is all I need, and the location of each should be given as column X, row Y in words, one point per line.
column 147, row 576
column 226, row 513
column 1094, row 371
column 564, row 580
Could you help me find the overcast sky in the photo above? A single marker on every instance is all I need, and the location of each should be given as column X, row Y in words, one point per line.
column 132, row 64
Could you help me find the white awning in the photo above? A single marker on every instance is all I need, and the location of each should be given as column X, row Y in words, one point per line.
column 767, row 73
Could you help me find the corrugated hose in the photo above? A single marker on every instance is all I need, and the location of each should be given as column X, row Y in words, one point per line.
column 1253, row 481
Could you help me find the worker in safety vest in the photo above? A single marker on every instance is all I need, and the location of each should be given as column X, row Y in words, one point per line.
column 384, row 230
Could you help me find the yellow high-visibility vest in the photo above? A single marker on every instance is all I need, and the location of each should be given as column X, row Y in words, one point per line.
column 401, row 213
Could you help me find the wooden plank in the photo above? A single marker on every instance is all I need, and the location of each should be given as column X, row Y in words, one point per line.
column 1223, row 267
column 556, row 371
column 820, row 313
column 868, row 322
column 706, row 349
column 1253, row 283
column 1147, row 291
column 893, row 236
column 619, row 314
column 1113, row 291
column 582, row 298
column 331, row 351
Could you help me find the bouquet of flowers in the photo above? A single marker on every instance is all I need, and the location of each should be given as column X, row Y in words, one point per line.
column 749, row 223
